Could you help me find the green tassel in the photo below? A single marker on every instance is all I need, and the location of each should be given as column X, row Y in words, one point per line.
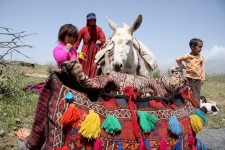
column 111, row 125
column 147, row 121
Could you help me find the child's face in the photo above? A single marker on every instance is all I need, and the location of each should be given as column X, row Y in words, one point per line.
column 69, row 39
column 197, row 49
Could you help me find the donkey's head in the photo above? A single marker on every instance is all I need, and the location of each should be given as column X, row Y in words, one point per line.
column 124, row 54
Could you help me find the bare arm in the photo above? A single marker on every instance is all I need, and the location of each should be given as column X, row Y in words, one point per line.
column 180, row 64
column 101, row 37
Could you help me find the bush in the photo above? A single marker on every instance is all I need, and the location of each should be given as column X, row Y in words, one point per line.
column 156, row 73
column 9, row 82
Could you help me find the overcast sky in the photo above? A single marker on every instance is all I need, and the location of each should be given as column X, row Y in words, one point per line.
column 166, row 29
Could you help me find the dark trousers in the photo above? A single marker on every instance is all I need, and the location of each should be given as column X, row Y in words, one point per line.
column 195, row 85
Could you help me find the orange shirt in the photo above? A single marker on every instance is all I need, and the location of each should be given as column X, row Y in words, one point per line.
column 194, row 66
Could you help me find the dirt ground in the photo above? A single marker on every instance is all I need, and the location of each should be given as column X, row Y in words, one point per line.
column 8, row 142
column 36, row 75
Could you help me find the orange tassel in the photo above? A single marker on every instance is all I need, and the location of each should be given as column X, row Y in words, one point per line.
column 71, row 116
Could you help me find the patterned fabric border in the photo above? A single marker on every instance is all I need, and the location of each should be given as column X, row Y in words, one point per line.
column 123, row 113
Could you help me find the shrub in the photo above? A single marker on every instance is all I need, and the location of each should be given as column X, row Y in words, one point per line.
column 156, row 73
column 9, row 82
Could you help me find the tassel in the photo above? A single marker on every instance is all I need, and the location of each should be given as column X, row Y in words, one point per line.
column 200, row 145
column 174, row 126
column 132, row 94
column 90, row 128
column 120, row 147
column 191, row 141
column 200, row 114
column 63, row 148
column 147, row 121
column 98, row 144
column 142, row 144
column 178, row 146
column 162, row 145
column 188, row 95
column 196, row 123
column 69, row 96
column 193, row 148
column 111, row 125
column 71, row 116
column 147, row 144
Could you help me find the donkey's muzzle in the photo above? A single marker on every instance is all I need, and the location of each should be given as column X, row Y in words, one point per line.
column 117, row 66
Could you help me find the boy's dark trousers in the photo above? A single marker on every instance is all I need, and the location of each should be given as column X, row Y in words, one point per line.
column 195, row 85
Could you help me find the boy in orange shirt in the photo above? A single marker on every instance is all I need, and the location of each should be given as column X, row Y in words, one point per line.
column 195, row 72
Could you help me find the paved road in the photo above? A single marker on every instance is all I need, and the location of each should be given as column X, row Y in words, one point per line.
column 214, row 139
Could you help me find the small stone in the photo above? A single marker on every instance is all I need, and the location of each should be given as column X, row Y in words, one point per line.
column 17, row 120
column 2, row 133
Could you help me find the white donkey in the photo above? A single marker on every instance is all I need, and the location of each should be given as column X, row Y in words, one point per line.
column 123, row 53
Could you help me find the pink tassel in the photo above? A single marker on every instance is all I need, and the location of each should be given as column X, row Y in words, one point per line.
column 63, row 148
column 162, row 145
column 98, row 144
column 191, row 141
column 142, row 144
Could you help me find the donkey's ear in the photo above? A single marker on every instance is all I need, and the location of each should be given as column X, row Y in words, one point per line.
column 136, row 24
column 112, row 24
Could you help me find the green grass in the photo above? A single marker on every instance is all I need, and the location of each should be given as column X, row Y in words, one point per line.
column 214, row 89
column 17, row 111
column 17, row 108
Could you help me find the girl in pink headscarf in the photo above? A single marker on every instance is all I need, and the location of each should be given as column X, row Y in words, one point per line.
column 65, row 51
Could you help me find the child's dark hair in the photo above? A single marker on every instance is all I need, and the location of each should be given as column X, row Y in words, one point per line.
column 194, row 42
column 67, row 29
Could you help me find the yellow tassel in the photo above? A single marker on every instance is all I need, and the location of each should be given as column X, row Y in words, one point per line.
column 90, row 128
column 196, row 123
column 71, row 116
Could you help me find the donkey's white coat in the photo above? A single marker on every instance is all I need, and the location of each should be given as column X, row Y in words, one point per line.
column 126, row 58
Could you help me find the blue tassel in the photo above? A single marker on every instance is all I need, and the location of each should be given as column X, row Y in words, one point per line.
column 147, row 144
column 69, row 96
column 178, row 146
column 200, row 114
column 200, row 145
column 120, row 147
column 174, row 126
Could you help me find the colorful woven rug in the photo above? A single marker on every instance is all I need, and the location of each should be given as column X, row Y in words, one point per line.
column 35, row 88
column 47, row 130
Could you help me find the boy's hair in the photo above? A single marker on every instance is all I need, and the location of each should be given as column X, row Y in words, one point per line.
column 194, row 42
column 67, row 29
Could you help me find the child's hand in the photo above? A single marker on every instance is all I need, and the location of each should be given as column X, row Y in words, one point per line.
column 202, row 82
column 69, row 46
column 98, row 42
